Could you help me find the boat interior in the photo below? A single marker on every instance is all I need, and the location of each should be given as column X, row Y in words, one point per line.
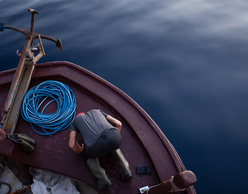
column 143, row 143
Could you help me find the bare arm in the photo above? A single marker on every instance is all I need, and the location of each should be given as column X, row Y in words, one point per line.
column 116, row 123
column 74, row 145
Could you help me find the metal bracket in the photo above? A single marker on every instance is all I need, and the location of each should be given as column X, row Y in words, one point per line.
column 24, row 71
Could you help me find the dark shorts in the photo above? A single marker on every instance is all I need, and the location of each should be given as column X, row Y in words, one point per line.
column 109, row 141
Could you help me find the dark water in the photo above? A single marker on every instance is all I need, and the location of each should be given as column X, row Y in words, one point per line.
column 184, row 62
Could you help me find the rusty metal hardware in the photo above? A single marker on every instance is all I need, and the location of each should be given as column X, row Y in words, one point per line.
column 24, row 72
column 31, row 34
column 178, row 183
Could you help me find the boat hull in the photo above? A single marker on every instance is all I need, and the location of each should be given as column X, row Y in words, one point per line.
column 143, row 144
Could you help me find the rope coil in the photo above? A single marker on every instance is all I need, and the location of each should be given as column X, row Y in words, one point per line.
column 39, row 97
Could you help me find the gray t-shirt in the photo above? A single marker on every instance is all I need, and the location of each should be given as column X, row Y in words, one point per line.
column 91, row 125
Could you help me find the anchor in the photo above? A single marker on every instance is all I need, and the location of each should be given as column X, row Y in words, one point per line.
column 23, row 74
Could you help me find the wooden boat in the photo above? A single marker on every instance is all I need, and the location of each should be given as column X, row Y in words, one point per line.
column 144, row 144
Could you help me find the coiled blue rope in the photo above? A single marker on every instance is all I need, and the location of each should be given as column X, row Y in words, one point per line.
column 39, row 97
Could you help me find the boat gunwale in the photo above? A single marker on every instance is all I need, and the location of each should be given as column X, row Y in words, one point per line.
column 173, row 153
column 166, row 143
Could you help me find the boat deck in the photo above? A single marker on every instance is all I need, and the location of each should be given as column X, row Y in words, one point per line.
column 143, row 142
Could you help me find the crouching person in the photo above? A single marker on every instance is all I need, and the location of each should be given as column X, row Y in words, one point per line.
column 101, row 135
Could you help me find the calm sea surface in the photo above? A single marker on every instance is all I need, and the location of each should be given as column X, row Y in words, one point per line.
column 184, row 62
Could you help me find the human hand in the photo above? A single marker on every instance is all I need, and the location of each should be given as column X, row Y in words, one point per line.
column 81, row 148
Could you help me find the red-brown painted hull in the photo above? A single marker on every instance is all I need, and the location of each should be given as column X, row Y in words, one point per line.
column 144, row 144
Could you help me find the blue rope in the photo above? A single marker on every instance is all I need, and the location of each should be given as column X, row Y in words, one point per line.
column 41, row 96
